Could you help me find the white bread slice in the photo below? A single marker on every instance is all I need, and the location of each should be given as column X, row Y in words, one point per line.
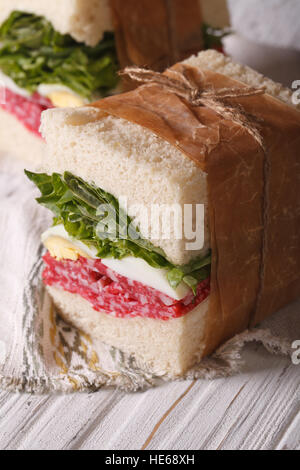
column 18, row 141
column 163, row 347
column 128, row 160
column 84, row 20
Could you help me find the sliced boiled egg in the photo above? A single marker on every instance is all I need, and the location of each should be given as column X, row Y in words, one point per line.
column 7, row 82
column 60, row 248
column 61, row 96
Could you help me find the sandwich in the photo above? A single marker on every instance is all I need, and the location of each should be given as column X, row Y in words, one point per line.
column 207, row 132
column 51, row 55
column 67, row 53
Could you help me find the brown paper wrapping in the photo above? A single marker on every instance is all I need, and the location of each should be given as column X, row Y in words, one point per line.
column 156, row 33
column 254, row 195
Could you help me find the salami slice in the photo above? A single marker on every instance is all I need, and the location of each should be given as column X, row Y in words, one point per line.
column 117, row 295
column 26, row 110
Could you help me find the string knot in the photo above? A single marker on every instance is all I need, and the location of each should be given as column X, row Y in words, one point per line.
column 182, row 84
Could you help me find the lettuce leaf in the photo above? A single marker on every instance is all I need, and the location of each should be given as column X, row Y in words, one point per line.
column 32, row 52
column 79, row 207
column 212, row 37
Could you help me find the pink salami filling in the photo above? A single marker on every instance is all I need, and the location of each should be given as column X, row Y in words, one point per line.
column 26, row 110
column 117, row 295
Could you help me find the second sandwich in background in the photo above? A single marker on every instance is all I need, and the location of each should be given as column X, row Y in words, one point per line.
column 67, row 53
column 51, row 55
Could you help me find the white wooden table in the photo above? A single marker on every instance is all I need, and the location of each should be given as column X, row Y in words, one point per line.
column 258, row 409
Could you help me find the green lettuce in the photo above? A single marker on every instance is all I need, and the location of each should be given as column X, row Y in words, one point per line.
column 32, row 52
column 95, row 217
column 212, row 37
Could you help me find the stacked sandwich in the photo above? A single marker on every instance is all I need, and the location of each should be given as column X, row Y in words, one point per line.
column 201, row 133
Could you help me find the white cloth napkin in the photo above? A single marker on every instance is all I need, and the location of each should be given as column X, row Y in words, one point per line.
column 272, row 22
column 40, row 353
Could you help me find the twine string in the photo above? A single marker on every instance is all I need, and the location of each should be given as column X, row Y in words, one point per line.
column 182, row 85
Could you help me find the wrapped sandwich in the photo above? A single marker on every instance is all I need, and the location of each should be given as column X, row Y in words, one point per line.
column 67, row 53
column 207, row 132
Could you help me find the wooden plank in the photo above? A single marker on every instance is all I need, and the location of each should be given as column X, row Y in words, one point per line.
column 133, row 419
column 290, row 435
column 49, row 422
column 80, row 420
column 249, row 411
column 258, row 409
